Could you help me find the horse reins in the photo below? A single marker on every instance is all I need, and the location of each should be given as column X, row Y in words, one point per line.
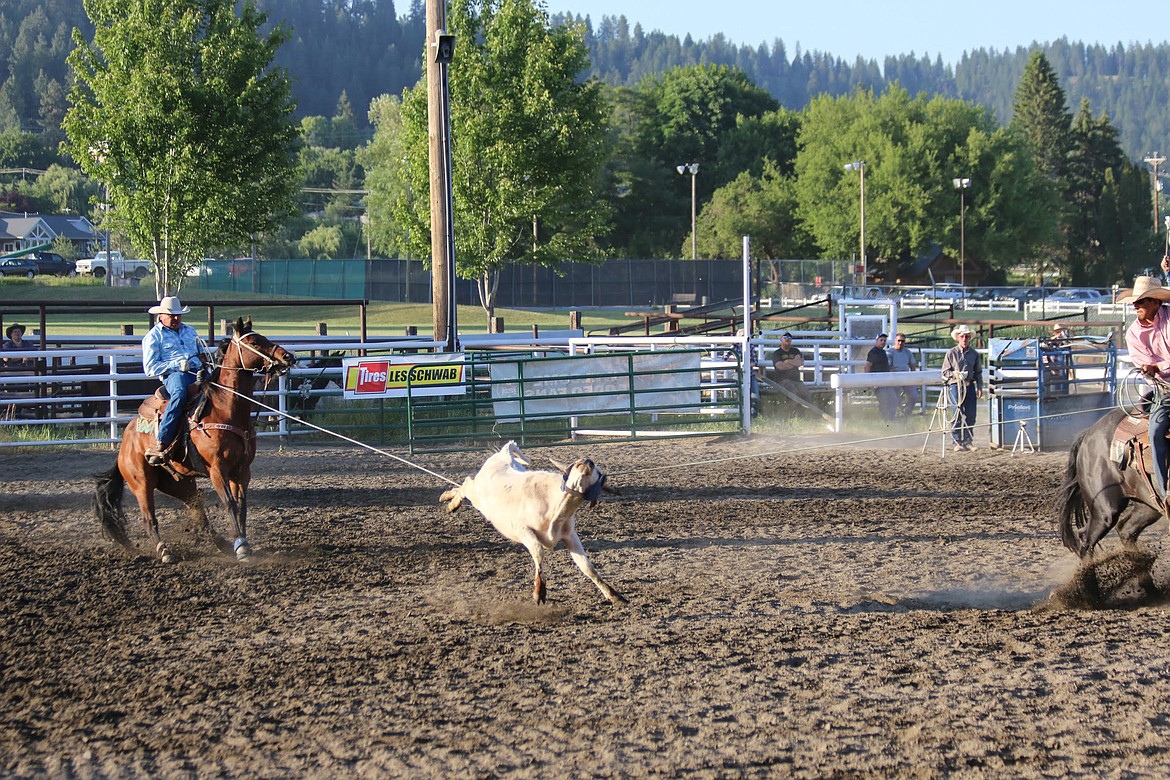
column 269, row 363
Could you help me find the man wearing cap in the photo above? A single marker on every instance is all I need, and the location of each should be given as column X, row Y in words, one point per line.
column 170, row 351
column 787, row 360
column 1148, row 342
column 962, row 373
column 878, row 362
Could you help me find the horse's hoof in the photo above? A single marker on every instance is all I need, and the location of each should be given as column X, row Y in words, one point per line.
column 243, row 550
column 164, row 554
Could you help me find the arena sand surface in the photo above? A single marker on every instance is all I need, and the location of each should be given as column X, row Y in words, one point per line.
column 795, row 609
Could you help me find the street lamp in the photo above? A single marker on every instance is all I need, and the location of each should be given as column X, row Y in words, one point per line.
column 860, row 167
column 961, row 185
column 693, row 170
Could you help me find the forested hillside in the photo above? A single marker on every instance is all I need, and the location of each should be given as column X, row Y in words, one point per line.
column 370, row 47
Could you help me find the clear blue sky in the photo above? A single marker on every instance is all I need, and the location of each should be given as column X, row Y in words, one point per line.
column 875, row 29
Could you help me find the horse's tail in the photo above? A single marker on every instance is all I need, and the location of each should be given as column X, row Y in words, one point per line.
column 1072, row 514
column 107, row 505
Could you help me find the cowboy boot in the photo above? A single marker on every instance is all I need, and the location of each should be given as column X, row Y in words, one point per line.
column 157, row 455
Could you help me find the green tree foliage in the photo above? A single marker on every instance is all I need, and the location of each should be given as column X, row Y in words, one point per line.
column 61, row 190
column 763, row 207
column 1040, row 117
column 322, row 242
column 1108, row 222
column 25, row 150
column 680, row 117
column 362, row 48
column 388, row 181
column 528, row 141
column 913, row 149
column 178, row 111
column 757, row 139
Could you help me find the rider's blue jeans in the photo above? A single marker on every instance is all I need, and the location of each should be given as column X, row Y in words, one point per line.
column 176, row 383
column 1159, row 426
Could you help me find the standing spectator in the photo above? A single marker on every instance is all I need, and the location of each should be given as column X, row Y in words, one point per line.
column 962, row 373
column 787, row 361
column 878, row 362
column 14, row 342
column 902, row 359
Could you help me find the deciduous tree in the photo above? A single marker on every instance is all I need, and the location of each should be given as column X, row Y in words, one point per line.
column 178, row 111
column 528, row 144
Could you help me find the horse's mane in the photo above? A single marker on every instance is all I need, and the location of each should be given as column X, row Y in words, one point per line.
column 242, row 327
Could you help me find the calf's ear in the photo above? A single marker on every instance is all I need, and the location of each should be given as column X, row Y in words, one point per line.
column 561, row 467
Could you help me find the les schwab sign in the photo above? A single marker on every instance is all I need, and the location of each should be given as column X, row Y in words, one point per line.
column 394, row 377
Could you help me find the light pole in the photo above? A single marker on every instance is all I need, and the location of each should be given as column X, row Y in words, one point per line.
column 693, row 170
column 961, row 185
column 860, row 167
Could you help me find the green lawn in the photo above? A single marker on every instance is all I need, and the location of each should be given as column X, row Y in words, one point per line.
column 382, row 318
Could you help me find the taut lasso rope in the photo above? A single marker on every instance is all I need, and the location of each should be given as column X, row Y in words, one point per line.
column 340, row 436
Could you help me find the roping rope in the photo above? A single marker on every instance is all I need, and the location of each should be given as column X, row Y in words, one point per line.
column 337, row 435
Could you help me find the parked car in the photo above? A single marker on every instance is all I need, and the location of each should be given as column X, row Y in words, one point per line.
column 18, row 266
column 944, row 292
column 1077, row 295
column 993, row 294
column 51, row 264
column 1029, row 294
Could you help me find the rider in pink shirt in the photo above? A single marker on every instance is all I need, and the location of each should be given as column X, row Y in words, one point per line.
column 1148, row 342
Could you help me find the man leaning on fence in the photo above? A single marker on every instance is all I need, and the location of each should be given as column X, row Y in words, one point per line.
column 1148, row 342
column 787, row 361
column 170, row 351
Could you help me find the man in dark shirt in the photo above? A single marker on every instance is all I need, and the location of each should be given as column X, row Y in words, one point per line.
column 787, row 360
column 878, row 362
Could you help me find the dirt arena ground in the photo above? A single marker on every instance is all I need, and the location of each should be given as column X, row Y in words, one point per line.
column 808, row 611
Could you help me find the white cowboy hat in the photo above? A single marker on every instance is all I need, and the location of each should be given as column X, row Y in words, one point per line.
column 960, row 330
column 169, row 305
column 1145, row 287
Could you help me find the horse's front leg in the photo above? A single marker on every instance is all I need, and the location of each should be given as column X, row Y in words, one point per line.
column 232, row 491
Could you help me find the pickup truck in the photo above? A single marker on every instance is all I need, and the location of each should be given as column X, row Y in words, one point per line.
column 98, row 266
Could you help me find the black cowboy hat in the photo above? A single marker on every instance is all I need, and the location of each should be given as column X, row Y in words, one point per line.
column 15, row 326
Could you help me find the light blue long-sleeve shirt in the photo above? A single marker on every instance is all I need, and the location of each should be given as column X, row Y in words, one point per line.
column 164, row 349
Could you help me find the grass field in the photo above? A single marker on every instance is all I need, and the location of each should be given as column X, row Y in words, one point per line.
column 19, row 299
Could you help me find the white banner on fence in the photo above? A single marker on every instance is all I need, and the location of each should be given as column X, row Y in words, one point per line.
column 598, row 384
column 387, row 377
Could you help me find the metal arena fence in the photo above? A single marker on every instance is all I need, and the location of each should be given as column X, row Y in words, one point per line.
column 85, row 396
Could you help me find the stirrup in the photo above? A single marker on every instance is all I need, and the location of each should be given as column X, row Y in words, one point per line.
column 157, row 456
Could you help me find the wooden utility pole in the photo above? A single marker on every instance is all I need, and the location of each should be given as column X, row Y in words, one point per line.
column 441, row 282
column 1155, row 160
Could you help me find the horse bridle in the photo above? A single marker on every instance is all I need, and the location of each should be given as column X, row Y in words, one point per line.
column 269, row 363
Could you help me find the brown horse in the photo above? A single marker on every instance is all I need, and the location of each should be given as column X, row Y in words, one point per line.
column 221, row 447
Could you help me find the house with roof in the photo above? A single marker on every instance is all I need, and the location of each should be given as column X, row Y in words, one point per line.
column 22, row 232
column 933, row 266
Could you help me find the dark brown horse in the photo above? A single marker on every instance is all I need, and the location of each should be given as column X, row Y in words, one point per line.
column 221, row 447
column 1098, row 490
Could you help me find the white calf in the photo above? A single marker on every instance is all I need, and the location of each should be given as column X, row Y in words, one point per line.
column 535, row 508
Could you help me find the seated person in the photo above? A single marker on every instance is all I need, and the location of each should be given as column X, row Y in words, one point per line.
column 14, row 342
column 787, row 360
